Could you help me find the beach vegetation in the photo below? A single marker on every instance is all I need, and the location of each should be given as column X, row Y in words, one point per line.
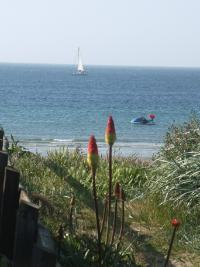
column 176, row 169
column 157, row 190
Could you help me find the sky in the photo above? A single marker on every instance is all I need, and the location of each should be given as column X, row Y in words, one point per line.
column 109, row 32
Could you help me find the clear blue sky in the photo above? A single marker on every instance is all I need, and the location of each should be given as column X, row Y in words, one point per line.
column 109, row 32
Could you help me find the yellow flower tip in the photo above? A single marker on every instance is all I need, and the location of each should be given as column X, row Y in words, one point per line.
column 92, row 157
column 93, row 160
column 110, row 135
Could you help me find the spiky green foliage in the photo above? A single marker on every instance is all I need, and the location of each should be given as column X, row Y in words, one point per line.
column 62, row 174
column 52, row 180
column 176, row 170
column 181, row 140
column 82, row 251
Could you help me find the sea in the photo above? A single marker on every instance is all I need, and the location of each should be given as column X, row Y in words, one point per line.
column 45, row 107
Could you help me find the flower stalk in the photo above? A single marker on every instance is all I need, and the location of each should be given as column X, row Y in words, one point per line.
column 109, row 193
column 122, row 197
column 117, row 195
column 60, row 239
column 92, row 159
column 72, row 202
column 97, row 215
column 175, row 223
column 110, row 137
column 104, row 214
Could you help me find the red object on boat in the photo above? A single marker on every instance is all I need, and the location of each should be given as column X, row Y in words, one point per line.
column 152, row 116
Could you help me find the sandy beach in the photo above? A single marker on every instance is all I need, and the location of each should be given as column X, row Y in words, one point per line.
column 140, row 149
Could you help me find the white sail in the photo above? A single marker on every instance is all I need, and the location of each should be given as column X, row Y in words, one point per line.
column 80, row 65
column 80, row 68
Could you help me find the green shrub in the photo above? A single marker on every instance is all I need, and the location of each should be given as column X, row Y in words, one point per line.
column 175, row 172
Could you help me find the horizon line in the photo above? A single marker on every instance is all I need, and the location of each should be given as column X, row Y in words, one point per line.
column 101, row 65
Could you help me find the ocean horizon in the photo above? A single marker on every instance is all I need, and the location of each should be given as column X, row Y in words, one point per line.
column 45, row 107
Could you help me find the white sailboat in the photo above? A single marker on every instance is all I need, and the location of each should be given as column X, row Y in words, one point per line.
column 80, row 68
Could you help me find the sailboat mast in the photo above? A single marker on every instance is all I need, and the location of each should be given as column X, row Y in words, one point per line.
column 78, row 54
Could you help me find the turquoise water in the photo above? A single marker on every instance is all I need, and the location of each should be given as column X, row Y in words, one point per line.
column 45, row 106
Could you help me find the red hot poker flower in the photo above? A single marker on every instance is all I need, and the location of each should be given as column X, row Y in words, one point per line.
column 110, row 135
column 92, row 157
column 175, row 223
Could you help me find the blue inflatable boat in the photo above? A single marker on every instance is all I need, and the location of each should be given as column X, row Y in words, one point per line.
column 143, row 120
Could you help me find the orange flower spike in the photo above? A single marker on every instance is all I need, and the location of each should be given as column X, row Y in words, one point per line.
column 92, row 157
column 110, row 135
column 175, row 223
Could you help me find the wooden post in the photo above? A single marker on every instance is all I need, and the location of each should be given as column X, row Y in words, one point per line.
column 10, row 203
column 44, row 253
column 26, row 234
column 1, row 138
column 3, row 164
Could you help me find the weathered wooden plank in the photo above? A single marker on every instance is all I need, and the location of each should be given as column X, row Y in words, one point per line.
column 26, row 234
column 1, row 138
column 3, row 164
column 10, row 203
column 23, row 194
column 44, row 253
